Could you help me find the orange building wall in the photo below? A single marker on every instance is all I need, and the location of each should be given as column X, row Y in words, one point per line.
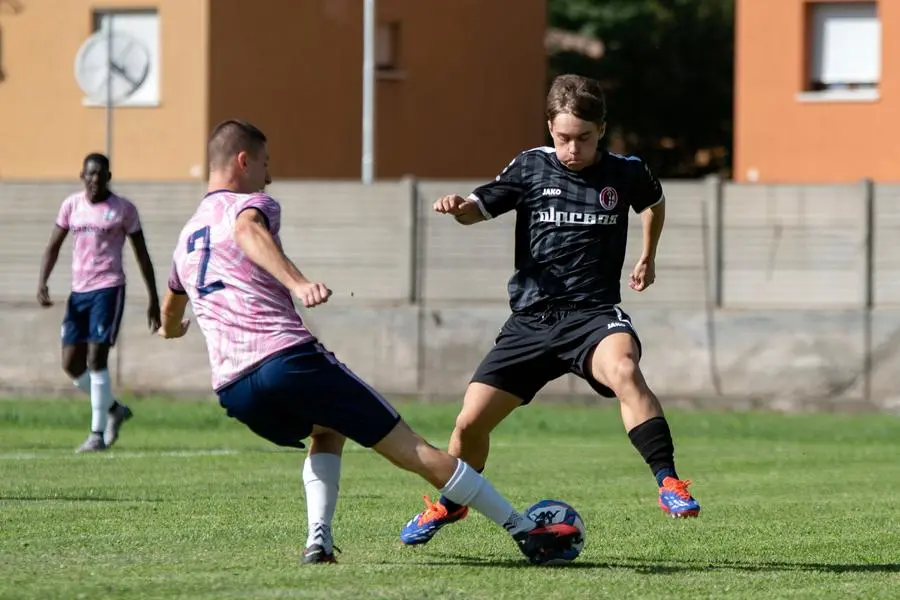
column 293, row 69
column 788, row 140
column 44, row 129
column 472, row 76
column 475, row 92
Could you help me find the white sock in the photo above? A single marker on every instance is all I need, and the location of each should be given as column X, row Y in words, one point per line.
column 101, row 399
column 83, row 383
column 468, row 488
column 321, row 481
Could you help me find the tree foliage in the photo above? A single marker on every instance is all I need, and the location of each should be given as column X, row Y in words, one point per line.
column 668, row 72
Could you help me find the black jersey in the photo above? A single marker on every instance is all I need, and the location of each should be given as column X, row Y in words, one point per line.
column 571, row 226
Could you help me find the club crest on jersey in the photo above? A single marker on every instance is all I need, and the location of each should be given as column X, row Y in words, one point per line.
column 609, row 198
column 109, row 215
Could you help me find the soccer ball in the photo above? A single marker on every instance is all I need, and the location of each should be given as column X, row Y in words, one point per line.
column 547, row 512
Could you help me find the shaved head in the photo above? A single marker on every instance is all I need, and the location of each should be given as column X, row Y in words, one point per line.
column 230, row 138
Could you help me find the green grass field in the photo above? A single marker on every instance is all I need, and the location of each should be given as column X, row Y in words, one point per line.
column 191, row 505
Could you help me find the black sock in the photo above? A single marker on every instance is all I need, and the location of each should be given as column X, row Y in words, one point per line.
column 450, row 505
column 114, row 406
column 653, row 440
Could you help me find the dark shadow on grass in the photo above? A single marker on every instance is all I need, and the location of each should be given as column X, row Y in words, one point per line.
column 48, row 498
column 697, row 565
column 833, row 568
column 671, row 566
column 449, row 560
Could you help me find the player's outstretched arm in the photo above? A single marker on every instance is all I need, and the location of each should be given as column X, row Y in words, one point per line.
column 648, row 200
column 465, row 211
column 48, row 261
column 139, row 245
column 489, row 200
column 252, row 234
column 652, row 221
column 173, row 324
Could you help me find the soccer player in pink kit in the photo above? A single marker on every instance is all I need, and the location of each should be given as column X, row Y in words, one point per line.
column 271, row 374
column 100, row 221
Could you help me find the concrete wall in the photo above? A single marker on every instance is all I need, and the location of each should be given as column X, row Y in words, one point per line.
column 777, row 296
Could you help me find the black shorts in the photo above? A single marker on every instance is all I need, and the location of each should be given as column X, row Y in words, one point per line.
column 282, row 398
column 534, row 348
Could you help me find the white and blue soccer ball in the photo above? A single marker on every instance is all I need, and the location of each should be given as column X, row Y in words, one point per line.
column 547, row 512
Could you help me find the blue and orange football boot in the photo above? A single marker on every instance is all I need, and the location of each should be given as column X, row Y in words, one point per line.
column 424, row 525
column 676, row 500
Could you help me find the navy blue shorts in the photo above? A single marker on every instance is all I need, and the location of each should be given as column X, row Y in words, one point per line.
column 292, row 390
column 93, row 317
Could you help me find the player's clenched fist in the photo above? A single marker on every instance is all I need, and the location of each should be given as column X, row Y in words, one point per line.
column 175, row 332
column 312, row 294
column 43, row 296
column 643, row 275
column 449, row 205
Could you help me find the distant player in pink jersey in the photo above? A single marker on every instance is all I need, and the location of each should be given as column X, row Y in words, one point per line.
column 99, row 221
column 271, row 374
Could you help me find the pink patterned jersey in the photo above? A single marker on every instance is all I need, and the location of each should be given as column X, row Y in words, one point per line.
column 245, row 314
column 99, row 232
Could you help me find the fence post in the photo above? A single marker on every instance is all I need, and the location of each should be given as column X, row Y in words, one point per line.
column 868, row 191
column 713, row 232
column 418, row 243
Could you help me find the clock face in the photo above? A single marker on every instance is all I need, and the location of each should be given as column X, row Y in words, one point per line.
column 126, row 67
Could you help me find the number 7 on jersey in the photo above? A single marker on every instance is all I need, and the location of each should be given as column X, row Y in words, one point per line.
column 203, row 288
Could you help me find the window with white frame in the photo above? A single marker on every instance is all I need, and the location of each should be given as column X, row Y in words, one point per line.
column 141, row 26
column 845, row 47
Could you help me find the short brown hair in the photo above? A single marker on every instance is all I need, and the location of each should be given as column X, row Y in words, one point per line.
column 231, row 137
column 578, row 96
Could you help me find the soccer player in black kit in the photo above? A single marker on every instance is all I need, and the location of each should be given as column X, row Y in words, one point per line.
column 571, row 203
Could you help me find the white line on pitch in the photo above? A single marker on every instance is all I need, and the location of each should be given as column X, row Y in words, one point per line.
column 50, row 455
column 114, row 454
